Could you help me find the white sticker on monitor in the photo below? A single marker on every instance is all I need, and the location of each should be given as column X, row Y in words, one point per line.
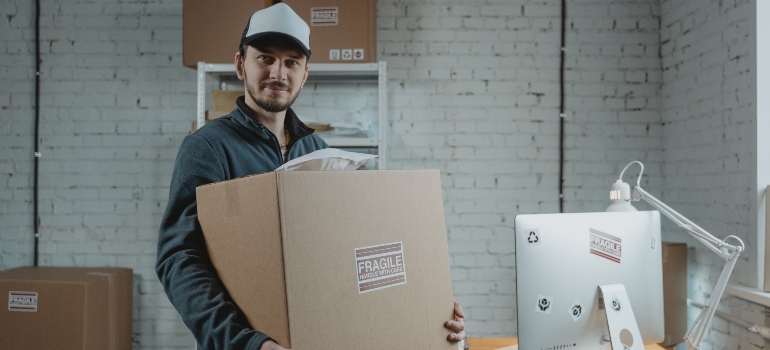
column 543, row 304
column 324, row 16
column 605, row 245
column 576, row 310
column 22, row 301
column 533, row 236
column 380, row 266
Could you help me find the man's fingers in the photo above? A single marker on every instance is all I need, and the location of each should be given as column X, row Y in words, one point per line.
column 455, row 337
column 459, row 310
column 457, row 326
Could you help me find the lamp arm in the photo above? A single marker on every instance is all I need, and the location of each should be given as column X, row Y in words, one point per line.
column 728, row 252
column 725, row 250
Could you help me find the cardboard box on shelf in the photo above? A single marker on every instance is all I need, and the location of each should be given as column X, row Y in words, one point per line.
column 674, row 292
column 211, row 30
column 224, row 100
column 214, row 114
column 341, row 31
column 363, row 253
column 66, row 308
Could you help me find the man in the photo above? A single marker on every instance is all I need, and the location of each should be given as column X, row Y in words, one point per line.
column 258, row 136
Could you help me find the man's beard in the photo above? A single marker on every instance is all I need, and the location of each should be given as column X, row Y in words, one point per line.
column 271, row 103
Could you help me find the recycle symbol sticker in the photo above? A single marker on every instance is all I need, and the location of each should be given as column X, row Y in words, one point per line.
column 533, row 236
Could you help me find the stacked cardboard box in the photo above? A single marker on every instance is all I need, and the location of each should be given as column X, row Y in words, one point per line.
column 66, row 308
column 341, row 31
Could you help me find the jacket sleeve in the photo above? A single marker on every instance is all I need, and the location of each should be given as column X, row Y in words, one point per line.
column 183, row 265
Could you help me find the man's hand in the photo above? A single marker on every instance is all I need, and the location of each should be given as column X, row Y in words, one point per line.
column 457, row 325
column 270, row 345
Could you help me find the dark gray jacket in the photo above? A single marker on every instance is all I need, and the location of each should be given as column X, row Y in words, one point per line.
column 226, row 148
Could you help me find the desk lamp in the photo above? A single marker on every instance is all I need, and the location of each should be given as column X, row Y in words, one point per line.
column 621, row 197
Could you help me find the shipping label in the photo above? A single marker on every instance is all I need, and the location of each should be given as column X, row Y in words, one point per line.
column 22, row 301
column 324, row 16
column 380, row 266
column 605, row 245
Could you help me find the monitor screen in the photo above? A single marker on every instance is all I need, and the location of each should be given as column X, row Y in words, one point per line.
column 561, row 259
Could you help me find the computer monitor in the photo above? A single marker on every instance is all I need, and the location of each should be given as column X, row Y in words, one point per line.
column 561, row 259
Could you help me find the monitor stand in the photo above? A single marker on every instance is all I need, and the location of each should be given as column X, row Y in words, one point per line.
column 624, row 332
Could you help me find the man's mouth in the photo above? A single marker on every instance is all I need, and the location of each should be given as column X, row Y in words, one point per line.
column 276, row 87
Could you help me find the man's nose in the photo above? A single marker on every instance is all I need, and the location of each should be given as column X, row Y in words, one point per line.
column 277, row 71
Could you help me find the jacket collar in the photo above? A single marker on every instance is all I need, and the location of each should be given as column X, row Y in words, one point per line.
column 297, row 129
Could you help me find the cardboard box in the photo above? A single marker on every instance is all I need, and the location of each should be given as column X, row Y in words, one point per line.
column 341, row 31
column 224, row 100
column 66, row 308
column 674, row 292
column 334, row 259
column 214, row 114
column 211, row 30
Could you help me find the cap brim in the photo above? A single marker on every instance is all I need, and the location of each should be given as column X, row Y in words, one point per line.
column 254, row 37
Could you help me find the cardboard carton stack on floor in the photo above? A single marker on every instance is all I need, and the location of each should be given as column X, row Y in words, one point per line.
column 66, row 308
column 334, row 259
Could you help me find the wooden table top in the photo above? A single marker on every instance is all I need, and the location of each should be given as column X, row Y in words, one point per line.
column 504, row 343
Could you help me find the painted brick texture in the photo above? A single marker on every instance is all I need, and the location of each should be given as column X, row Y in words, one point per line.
column 473, row 91
column 709, row 162
column 115, row 105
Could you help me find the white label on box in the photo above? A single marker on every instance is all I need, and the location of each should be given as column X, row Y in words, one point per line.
column 324, row 16
column 334, row 55
column 347, row 54
column 380, row 266
column 358, row 54
column 22, row 301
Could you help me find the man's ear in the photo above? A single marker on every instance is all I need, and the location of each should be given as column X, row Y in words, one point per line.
column 239, row 66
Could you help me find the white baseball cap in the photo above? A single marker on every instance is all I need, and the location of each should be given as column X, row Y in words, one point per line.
column 278, row 19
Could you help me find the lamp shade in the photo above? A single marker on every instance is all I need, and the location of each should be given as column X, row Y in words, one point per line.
column 620, row 197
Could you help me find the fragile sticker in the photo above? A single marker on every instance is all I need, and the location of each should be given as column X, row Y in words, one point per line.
column 605, row 245
column 543, row 304
column 324, row 16
column 22, row 301
column 380, row 266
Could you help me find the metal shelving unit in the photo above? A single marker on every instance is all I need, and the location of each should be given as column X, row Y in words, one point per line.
column 375, row 73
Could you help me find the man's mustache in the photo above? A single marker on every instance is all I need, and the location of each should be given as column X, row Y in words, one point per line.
column 276, row 85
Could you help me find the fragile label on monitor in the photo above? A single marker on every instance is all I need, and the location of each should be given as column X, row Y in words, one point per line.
column 324, row 16
column 22, row 301
column 605, row 245
column 380, row 266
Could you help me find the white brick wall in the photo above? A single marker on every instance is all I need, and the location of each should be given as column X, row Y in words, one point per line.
column 473, row 92
column 709, row 114
column 115, row 104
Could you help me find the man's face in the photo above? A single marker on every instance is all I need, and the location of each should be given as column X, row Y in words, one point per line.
column 273, row 73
